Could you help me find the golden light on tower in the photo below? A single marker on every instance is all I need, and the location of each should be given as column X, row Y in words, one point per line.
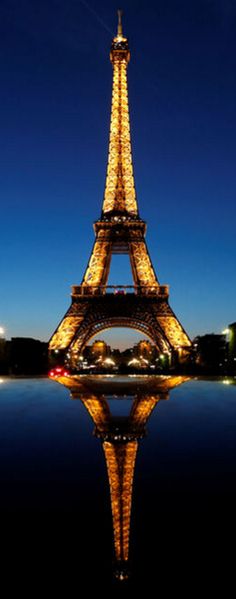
column 120, row 460
column 120, row 191
column 120, row 230
column 120, row 439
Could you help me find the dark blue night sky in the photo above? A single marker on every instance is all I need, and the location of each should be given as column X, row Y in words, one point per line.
column 55, row 109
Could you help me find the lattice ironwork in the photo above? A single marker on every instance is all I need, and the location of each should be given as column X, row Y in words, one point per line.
column 120, row 192
column 120, row 459
column 142, row 409
column 98, row 266
column 120, row 311
column 65, row 332
column 98, row 409
column 119, row 230
column 173, row 331
column 120, row 438
column 142, row 266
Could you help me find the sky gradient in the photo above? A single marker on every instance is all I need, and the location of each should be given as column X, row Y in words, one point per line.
column 55, row 110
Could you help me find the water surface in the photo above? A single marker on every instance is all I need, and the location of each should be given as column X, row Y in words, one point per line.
column 55, row 502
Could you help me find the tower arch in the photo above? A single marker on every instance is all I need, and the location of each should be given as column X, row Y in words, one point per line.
column 83, row 339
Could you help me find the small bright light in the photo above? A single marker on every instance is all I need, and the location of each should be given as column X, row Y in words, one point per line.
column 162, row 356
column 2, row 331
column 133, row 361
column 225, row 332
column 109, row 361
column 1, row 381
column 226, row 382
column 56, row 351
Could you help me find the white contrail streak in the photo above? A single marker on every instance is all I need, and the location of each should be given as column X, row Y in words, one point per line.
column 95, row 14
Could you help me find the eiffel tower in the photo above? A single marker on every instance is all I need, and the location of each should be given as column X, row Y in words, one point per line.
column 120, row 437
column 120, row 230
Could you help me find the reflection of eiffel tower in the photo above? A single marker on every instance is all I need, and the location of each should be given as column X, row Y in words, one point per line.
column 120, row 230
column 120, row 437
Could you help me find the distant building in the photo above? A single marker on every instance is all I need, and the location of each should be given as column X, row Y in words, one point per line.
column 144, row 349
column 100, row 349
column 27, row 356
column 95, row 354
column 232, row 347
column 4, row 351
column 211, row 354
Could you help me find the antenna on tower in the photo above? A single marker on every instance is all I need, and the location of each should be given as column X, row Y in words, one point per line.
column 119, row 31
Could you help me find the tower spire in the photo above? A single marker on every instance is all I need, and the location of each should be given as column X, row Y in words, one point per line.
column 120, row 193
column 119, row 31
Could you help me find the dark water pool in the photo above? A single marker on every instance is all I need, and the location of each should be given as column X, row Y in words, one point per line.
column 56, row 523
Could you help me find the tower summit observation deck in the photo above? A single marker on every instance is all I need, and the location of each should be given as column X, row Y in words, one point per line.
column 95, row 305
